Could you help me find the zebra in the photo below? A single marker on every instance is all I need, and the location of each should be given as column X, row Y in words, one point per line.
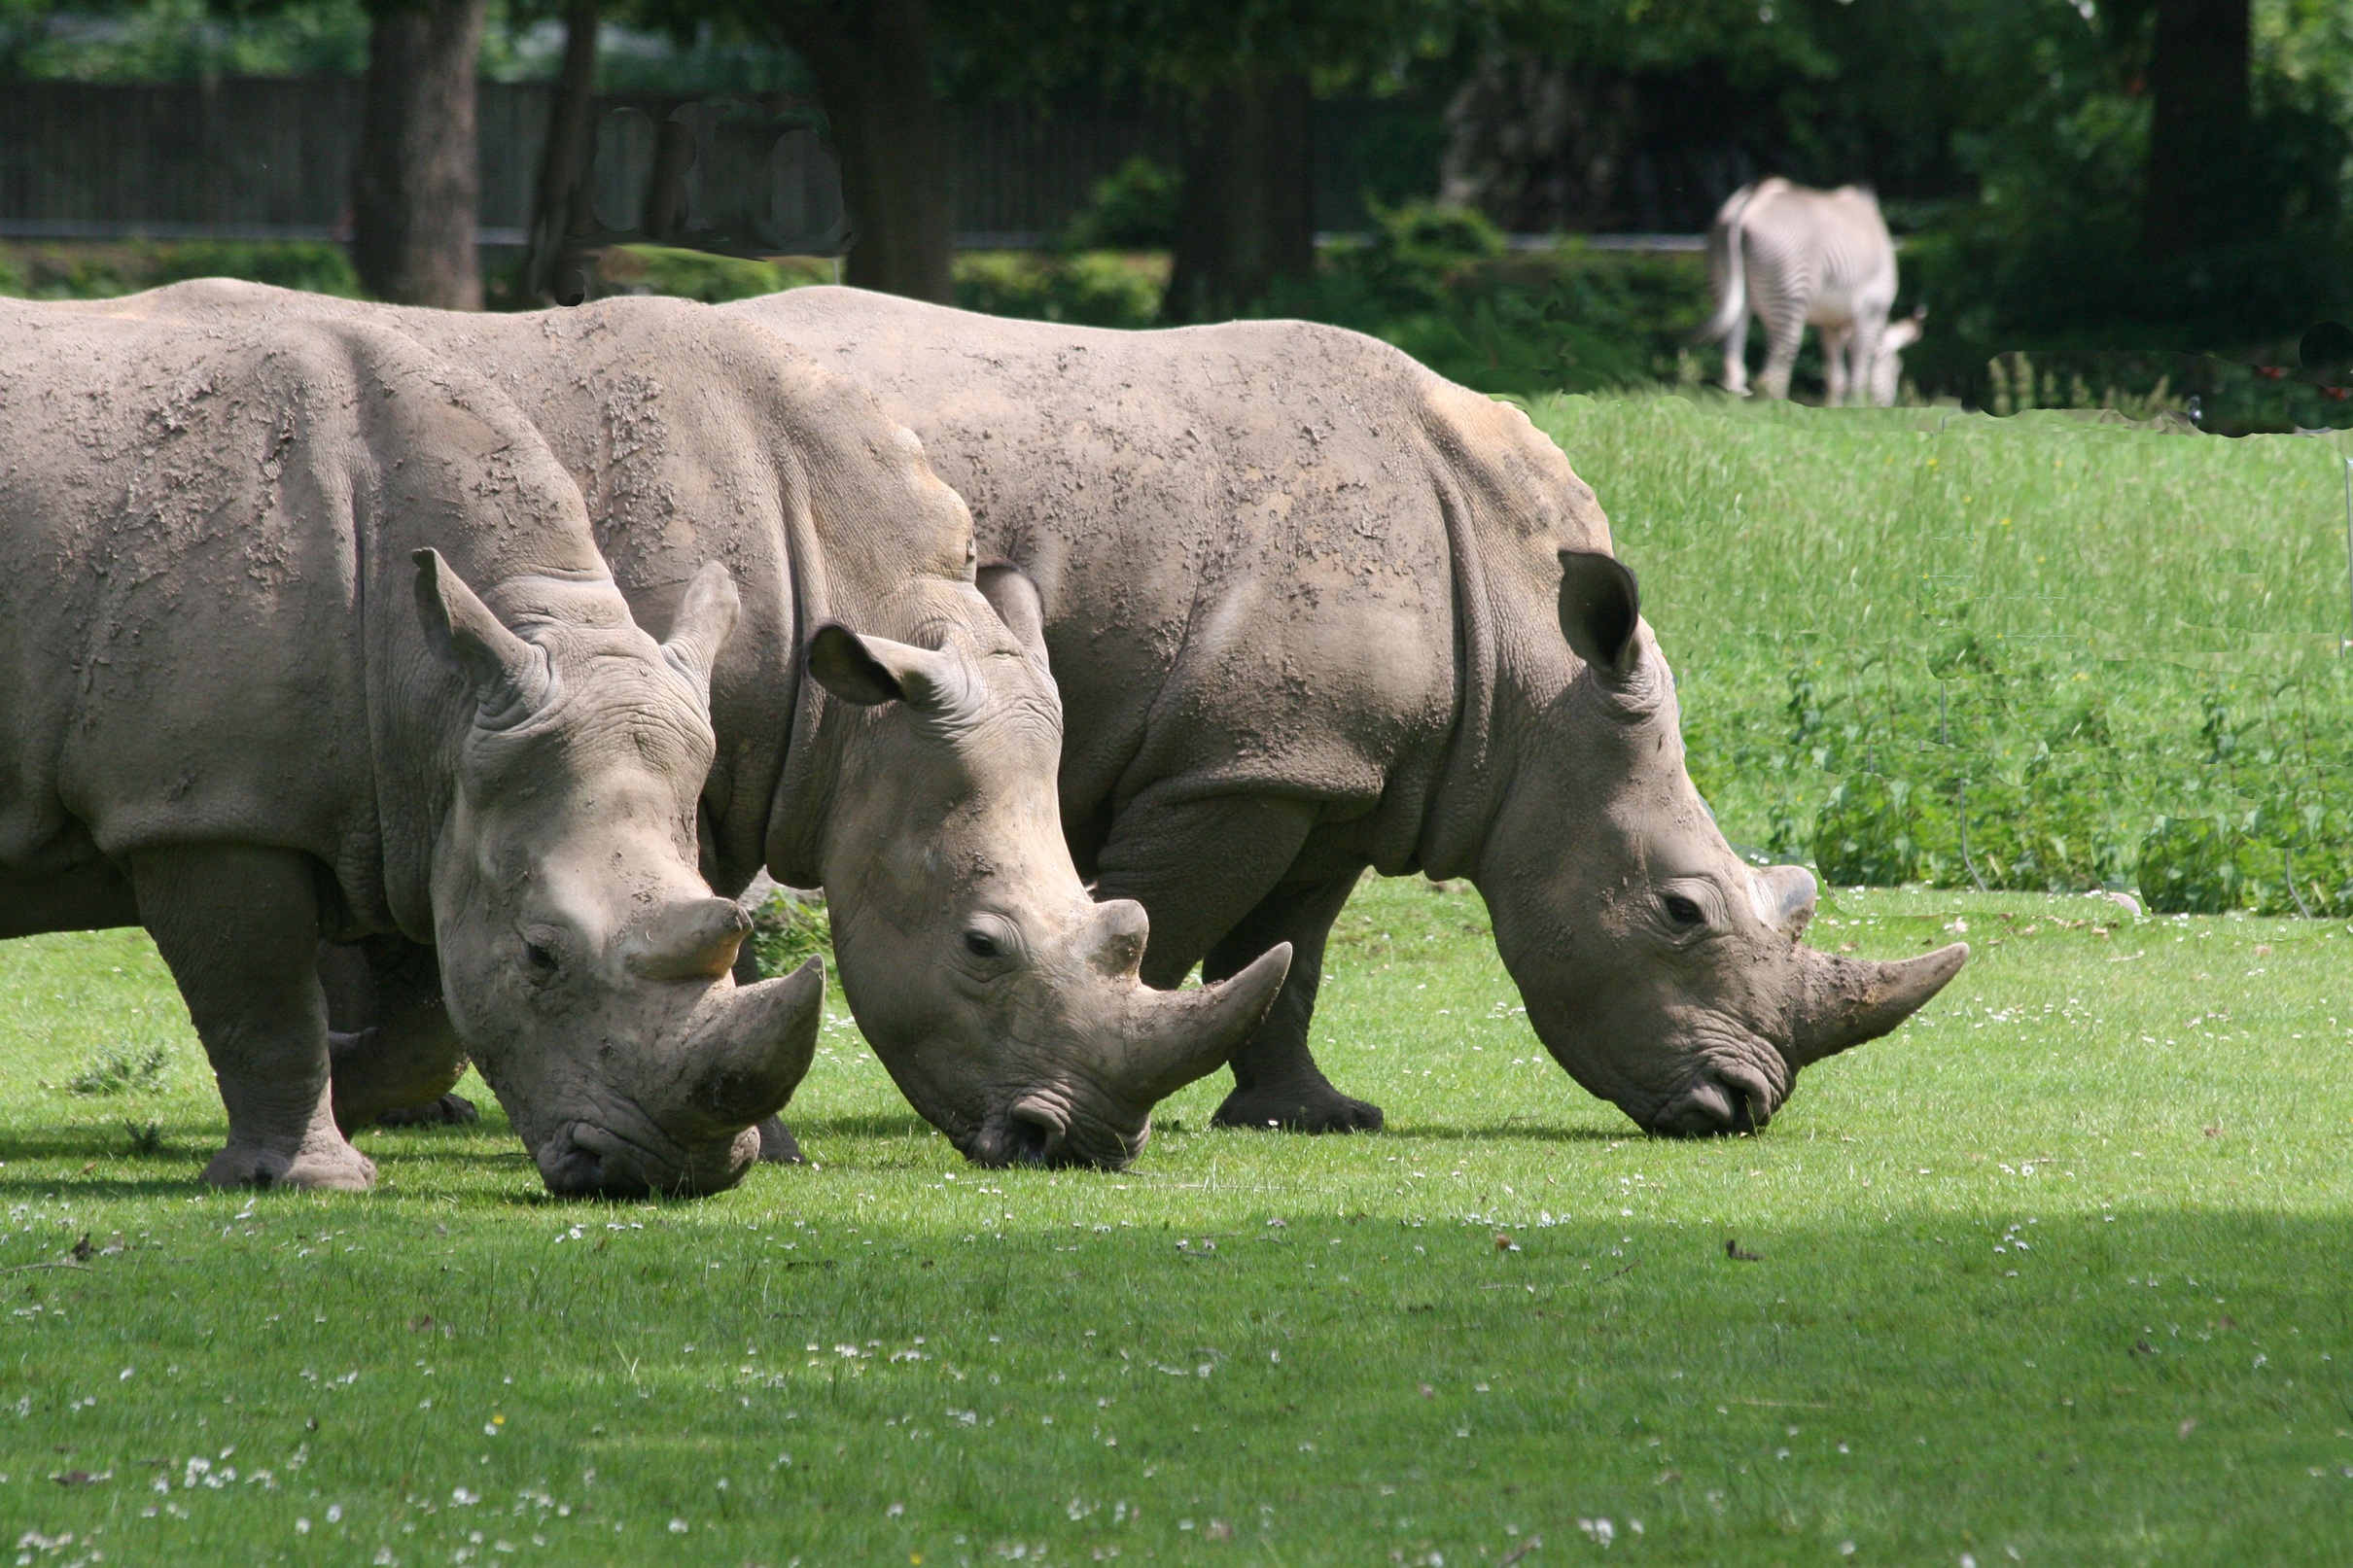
column 1801, row 258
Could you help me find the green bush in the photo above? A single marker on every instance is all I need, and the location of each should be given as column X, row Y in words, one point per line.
column 2189, row 866
column 1866, row 835
column 1133, row 209
column 788, row 931
column 103, row 271
column 1440, row 285
column 1089, row 288
column 312, row 267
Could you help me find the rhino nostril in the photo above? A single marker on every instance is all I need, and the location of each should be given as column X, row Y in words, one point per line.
column 1035, row 1132
column 581, row 1161
column 1701, row 1110
column 569, row 1170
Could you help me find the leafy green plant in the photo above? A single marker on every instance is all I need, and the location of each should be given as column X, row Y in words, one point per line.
column 789, row 930
column 2188, row 866
column 146, row 1137
column 1867, row 833
column 1088, row 288
column 1133, row 209
column 120, row 1070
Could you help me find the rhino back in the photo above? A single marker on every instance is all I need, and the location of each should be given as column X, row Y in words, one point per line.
column 208, row 632
column 1249, row 539
column 696, row 436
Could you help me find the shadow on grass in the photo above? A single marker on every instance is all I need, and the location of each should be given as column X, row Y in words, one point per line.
column 1515, row 1129
column 868, row 1125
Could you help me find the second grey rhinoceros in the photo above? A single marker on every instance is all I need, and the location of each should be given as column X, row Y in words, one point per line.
column 909, row 767
column 248, row 699
column 1315, row 609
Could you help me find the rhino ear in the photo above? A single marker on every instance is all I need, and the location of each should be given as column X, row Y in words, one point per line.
column 1013, row 594
column 871, row 671
column 706, row 616
column 1600, row 609
column 507, row 676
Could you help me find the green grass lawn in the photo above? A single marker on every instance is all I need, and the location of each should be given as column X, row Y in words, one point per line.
column 2057, row 1276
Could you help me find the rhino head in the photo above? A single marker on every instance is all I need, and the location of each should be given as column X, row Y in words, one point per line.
column 1004, row 1001
column 1662, row 970
column 584, row 961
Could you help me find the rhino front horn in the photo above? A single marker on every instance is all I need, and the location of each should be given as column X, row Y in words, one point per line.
column 753, row 1047
column 692, row 939
column 1848, row 1001
column 1176, row 1036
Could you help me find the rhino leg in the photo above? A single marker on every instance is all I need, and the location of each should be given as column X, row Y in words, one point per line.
column 1275, row 1080
column 1208, row 873
column 239, row 927
column 394, row 1052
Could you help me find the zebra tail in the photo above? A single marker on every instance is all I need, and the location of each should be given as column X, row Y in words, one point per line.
column 1724, row 264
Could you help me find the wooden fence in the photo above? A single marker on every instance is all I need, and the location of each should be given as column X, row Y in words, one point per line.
column 270, row 159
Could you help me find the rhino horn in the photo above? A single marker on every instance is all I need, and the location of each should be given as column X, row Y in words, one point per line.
column 1176, row 1037
column 1847, row 1001
column 753, row 1046
column 692, row 939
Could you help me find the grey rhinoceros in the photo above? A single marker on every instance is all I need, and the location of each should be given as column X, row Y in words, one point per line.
column 248, row 699
column 909, row 769
column 1314, row 609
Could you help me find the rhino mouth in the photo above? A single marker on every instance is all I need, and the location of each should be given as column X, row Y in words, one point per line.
column 1043, row 1128
column 1722, row 1100
column 592, row 1160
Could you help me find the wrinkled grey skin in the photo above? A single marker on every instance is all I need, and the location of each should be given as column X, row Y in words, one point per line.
column 1314, row 609
column 907, row 767
column 248, row 701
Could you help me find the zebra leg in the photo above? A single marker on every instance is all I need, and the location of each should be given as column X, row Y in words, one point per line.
column 1782, row 334
column 1735, row 355
column 1869, row 331
column 1834, row 365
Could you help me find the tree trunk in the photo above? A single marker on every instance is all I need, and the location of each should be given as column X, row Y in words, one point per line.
column 873, row 71
column 413, row 180
column 1247, row 219
column 562, row 206
column 2198, row 126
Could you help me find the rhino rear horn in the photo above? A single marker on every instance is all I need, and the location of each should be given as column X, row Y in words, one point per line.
column 755, row 1047
column 706, row 619
column 1176, row 1037
column 507, row 676
column 1013, row 594
column 1847, row 1001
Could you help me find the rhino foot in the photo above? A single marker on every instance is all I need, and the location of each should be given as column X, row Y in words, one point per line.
column 777, row 1144
column 450, row 1110
column 1298, row 1108
column 317, row 1165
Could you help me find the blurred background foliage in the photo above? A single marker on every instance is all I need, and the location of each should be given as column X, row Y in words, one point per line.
column 2015, row 145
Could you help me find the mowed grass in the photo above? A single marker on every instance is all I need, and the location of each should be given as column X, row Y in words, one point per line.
column 2056, row 1275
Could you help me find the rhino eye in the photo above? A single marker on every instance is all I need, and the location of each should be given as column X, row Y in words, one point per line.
column 1683, row 911
column 542, row 961
column 980, row 944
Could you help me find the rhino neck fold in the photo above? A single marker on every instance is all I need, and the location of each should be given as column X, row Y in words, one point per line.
column 1461, row 799
column 801, row 803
